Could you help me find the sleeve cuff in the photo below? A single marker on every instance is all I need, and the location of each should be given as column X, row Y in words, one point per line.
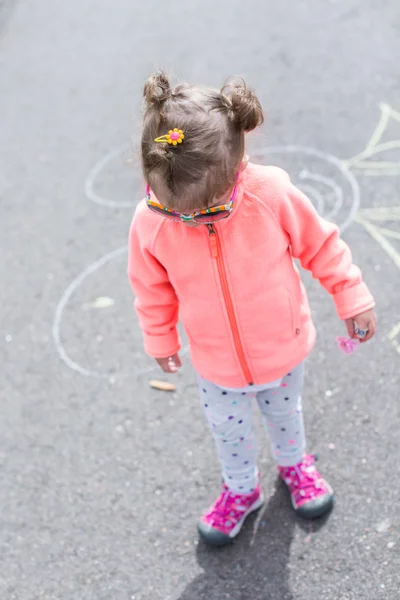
column 353, row 301
column 162, row 346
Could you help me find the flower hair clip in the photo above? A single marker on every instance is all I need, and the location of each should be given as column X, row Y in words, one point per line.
column 173, row 137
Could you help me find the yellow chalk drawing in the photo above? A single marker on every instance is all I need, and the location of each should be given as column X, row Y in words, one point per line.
column 375, row 146
column 393, row 335
column 372, row 218
column 369, row 217
column 378, row 221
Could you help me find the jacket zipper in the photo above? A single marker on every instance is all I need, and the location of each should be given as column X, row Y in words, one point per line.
column 216, row 252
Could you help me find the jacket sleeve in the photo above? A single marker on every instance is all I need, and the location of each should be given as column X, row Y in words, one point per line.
column 317, row 244
column 156, row 302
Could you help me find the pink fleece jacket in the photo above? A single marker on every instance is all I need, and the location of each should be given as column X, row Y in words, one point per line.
column 235, row 286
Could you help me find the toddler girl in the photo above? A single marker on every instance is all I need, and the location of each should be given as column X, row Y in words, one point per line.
column 213, row 243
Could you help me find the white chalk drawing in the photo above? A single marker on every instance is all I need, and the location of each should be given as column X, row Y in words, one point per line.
column 345, row 195
column 63, row 302
column 335, row 194
column 65, row 298
column 337, row 191
column 90, row 189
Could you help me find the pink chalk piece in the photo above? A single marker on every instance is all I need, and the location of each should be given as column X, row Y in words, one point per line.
column 283, row 384
column 292, row 442
column 347, row 345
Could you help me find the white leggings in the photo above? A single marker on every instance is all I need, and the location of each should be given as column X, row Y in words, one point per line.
column 229, row 416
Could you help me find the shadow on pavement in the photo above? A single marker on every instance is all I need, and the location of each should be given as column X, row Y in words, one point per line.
column 256, row 564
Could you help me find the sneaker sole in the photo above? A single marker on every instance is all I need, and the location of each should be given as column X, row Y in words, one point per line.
column 215, row 537
column 316, row 508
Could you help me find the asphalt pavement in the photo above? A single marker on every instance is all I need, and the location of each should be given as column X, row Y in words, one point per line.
column 103, row 478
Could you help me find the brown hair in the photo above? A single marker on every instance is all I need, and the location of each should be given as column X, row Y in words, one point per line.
column 201, row 169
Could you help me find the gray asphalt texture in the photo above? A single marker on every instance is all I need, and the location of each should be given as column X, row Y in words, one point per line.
column 102, row 478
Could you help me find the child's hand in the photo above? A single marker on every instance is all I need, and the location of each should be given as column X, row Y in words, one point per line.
column 365, row 321
column 171, row 364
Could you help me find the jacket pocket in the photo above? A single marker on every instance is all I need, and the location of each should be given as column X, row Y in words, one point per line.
column 271, row 322
column 283, row 314
column 294, row 301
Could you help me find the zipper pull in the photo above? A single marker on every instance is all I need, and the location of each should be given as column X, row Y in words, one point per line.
column 212, row 234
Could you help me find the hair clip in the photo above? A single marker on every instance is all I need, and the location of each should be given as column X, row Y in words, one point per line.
column 347, row 345
column 174, row 137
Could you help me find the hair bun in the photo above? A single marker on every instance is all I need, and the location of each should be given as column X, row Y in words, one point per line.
column 157, row 89
column 244, row 105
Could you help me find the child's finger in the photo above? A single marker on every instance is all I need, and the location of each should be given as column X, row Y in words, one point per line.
column 172, row 364
column 350, row 327
column 370, row 333
column 163, row 363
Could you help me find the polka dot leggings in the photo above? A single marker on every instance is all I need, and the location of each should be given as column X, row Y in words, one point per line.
column 229, row 416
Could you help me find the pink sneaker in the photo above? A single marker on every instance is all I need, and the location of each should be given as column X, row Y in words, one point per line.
column 224, row 520
column 311, row 495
